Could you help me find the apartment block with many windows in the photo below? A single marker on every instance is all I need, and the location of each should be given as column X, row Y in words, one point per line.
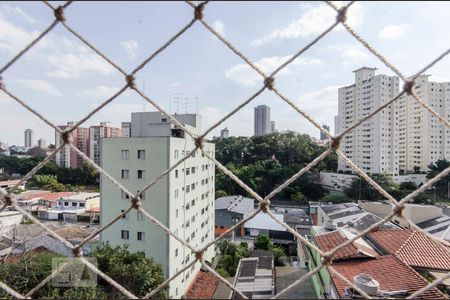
column 96, row 134
column 423, row 139
column 371, row 145
column 183, row 200
column 68, row 157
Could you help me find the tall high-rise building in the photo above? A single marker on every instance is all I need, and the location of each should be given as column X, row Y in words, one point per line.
column 371, row 145
column 126, row 129
column 42, row 144
column 29, row 138
column 96, row 135
column 323, row 136
column 68, row 157
column 422, row 138
column 224, row 133
column 183, row 200
column 272, row 127
column 262, row 124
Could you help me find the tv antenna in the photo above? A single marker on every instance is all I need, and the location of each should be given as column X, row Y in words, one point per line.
column 177, row 98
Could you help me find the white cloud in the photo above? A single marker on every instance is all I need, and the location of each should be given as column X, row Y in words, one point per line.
column 101, row 92
column 313, row 21
column 73, row 65
column 130, row 47
column 18, row 12
column 392, row 31
column 13, row 38
column 245, row 75
column 219, row 26
column 356, row 53
column 39, row 85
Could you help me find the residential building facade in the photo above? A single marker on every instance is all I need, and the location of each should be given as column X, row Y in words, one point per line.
column 42, row 144
column 68, row 157
column 96, row 134
column 371, row 145
column 29, row 138
column 262, row 124
column 224, row 133
column 422, row 138
column 183, row 200
column 126, row 129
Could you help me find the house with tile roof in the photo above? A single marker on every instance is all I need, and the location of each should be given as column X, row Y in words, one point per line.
column 203, row 286
column 393, row 277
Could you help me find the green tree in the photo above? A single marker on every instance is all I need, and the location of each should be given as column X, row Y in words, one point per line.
column 408, row 185
column 360, row 189
column 263, row 242
column 278, row 252
column 221, row 193
column 443, row 184
column 134, row 271
column 336, row 198
column 299, row 197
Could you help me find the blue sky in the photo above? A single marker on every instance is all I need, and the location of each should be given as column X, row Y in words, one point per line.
column 63, row 79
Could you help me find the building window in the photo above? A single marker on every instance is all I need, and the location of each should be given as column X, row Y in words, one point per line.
column 176, row 194
column 176, row 173
column 193, row 186
column 193, row 170
column 125, row 174
column 125, row 195
column 176, row 213
column 141, row 236
column 141, row 174
column 74, row 204
column 125, row 215
column 176, row 154
column 187, row 189
column 187, row 171
column 125, row 234
column 141, row 154
column 81, row 204
column 176, row 252
column 125, row 154
column 140, row 216
column 66, row 203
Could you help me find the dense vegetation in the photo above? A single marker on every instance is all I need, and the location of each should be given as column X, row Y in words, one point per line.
column 132, row 270
column 265, row 162
column 230, row 254
column 361, row 189
column 15, row 167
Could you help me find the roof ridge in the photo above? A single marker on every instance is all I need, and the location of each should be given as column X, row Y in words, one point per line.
column 231, row 205
column 406, row 242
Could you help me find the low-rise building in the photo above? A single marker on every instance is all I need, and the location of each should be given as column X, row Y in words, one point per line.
column 378, row 273
column 11, row 183
column 70, row 207
column 263, row 224
column 255, row 276
column 230, row 210
column 430, row 218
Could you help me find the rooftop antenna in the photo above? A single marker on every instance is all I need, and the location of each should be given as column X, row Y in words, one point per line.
column 143, row 100
column 177, row 101
column 196, row 105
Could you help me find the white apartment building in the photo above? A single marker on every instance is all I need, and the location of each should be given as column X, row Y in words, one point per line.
column 371, row 146
column 96, row 135
column 126, row 129
column 422, row 139
column 183, row 200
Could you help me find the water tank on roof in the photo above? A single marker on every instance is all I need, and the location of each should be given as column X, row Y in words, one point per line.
column 367, row 284
column 330, row 225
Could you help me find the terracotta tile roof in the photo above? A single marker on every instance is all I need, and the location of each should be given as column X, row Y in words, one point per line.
column 413, row 248
column 56, row 196
column 203, row 286
column 31, row 195
column 390, row 272
column 329, row 241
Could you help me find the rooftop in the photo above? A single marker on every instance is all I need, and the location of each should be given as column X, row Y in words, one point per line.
column 203, row 286
column 439, row 227
column 391, row 273
column 237, row 204
column 56, row 196
column 255, row 276
column 413, row 248
column 357, row 249
column 264, row 221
